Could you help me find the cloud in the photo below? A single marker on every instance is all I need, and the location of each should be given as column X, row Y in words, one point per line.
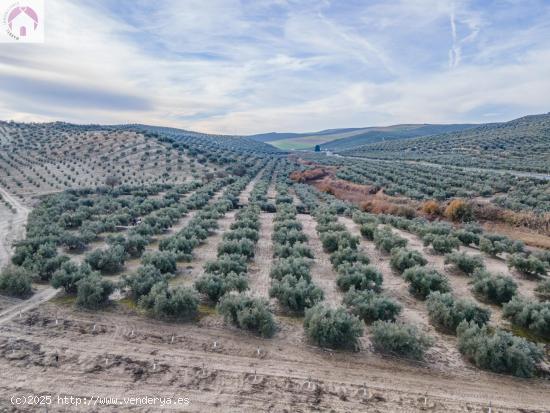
column 242, row 67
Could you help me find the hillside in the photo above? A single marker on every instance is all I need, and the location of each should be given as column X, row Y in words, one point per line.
column 37, row 159
column 520, row 144
column 373, row 135
column 339, row 139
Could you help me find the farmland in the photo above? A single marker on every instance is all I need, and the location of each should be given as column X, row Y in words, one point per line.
column 153, row 261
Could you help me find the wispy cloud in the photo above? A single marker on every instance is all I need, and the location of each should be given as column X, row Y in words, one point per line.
column 230, row 66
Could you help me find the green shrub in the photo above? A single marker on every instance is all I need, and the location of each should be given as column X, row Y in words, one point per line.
column 333, row 328
column 247, row 313
column 142, row 281
column 441, row 244
column 178, row 303
column 226, row 264
column 349, row 256
column 447, row 312
column 464, row 262
column 530, row 266
column 533, row 316
column 93, row 292
column 107, row 261
column 297, row 267
column 289, row 236
column 69, row 275
column 215, row 285
column 402, row 258
column 242, row 247
column 423, row 280
column 370, row 306
column 386, row 240
column 15, row 281
column 242, row 233
column 402, row 339
column 467, row 237
column 543, row 290
column 367, row 230
column 333, row 240
column 135, row 245
column 295, row 294
column 498, row 351
column 296, row 251
column 359, row 276
column 497, row 289
column 165, row 261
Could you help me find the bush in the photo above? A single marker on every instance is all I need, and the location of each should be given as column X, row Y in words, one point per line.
column 296, row 251
column 214, row 286
column 530, row 266
column 69, row 275
column 467, row 237
column 402, row 339
column 15, row 281
column 459, row 210
column 447, row 312
column 347, row 255
column 297, row 267
column 425, row 280
column 142, row 281
column 359, row 276
column 441, row 244
column 492, row 248
column 367, row 230
column 543, row 290
column 107, row 261
column 402, row 258
column 370, row 306
column 295, row 294
column 93, row 292
column 289, row 236
column 226, row 264
column 179, row 303
column 496, row 289
column 333, row 240
column 533, row 316
column 464, row 262
column 501, row 352
column 242, row 247
column 247, row 313
column 135, row 245
column 165, row 261
column 386, row 240
column 333, row 328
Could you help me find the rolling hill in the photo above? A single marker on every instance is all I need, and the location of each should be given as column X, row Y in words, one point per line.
column 521, row 144
column 341, row 139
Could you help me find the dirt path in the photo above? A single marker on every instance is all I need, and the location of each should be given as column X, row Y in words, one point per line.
column 159, row 359
column 444, row 352
column 22, row 307
column 322, row 273
column 260, row 267
column 208, row 251
column 12, row 226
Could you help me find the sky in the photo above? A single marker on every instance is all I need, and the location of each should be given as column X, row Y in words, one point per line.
column 245, row 67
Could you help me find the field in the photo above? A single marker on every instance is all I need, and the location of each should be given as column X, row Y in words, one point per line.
column 142, row 261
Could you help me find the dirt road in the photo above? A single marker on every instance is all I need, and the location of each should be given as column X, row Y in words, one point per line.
column 12, row 228
column 221, row 370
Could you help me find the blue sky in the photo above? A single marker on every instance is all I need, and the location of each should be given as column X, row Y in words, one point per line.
column 242, row 67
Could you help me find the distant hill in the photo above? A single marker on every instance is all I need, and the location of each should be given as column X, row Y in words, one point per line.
column 520, row 144
column 345, row 138
column 373, row 135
